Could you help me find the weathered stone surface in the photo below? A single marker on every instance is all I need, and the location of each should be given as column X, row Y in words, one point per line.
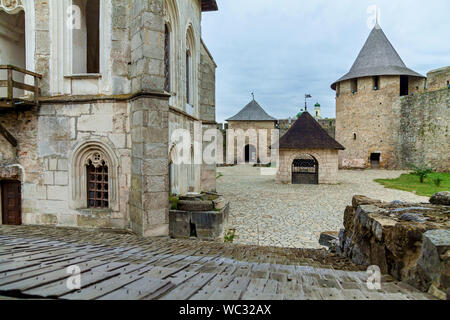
column 329, row 239
column 400, row 238
column 206, row 225
column 442, row 198
column 186, row 205
column 432, row 272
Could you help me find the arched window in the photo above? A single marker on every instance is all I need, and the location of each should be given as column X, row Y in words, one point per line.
column 98, row 182
column 86, row 38
column 190, row 69
column 167, row 59
column 94, row 174
column 172, row 52
column 173, row 173
column 188, row 76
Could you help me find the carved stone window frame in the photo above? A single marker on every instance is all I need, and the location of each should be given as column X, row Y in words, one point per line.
column 95, row 151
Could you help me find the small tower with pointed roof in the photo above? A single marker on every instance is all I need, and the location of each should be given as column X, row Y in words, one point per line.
column 251, row 117
column 367, row 97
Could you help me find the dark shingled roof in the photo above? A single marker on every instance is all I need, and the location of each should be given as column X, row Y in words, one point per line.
column 209, row 5
column 377, row 58
column 307, row 133
column 252, row 112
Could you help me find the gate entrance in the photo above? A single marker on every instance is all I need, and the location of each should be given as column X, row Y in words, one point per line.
column 250, row 154
column 11, row 202
column 375, row 160
column 305, row 170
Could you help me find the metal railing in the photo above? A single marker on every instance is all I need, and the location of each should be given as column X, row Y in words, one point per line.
column 9, row 101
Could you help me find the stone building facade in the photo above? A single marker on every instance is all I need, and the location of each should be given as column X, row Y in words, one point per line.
column 386, row 113
column 97, row 150
column 251, row 125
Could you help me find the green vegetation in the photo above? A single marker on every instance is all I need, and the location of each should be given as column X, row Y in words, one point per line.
column 173, row 202
column 432, row 183
column 219, row 175
column 229, row 236
column 421, row 172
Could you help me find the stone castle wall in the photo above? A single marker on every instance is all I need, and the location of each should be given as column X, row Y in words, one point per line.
column 423, row 135
column 404, row 130
column 438, row 79
column 367, row 115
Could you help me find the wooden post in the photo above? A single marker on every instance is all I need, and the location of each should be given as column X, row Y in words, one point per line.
column 36, row 90
column 8, row 136
column 10, row 86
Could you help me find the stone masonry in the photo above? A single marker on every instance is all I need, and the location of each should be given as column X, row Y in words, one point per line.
column 327, row 159
column 123, row 116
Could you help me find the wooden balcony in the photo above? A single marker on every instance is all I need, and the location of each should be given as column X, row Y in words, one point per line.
column 10, row 102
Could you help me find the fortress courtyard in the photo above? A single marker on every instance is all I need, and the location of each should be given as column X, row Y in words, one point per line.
column 269, row 214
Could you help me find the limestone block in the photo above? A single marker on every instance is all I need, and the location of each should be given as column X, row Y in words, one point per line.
column 85, row 86
column 63, row 165
column 119, row 140
column 61, row 178
column 58, row 193
column 97, row 123
column 48, row 178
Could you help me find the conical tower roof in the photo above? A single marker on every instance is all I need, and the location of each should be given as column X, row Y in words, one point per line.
column 307, row 133
column 377, row 58
column 252, row 112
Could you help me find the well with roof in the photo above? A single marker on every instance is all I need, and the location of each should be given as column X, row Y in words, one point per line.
column 308, row 155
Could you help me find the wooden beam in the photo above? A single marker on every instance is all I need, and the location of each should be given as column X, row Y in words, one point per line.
column 8, row 136
column 23, row 86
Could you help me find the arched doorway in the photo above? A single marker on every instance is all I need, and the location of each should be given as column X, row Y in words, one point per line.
column 305, row 170
column 250, row 154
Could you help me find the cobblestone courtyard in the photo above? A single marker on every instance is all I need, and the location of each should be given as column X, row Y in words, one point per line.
column 268, row 214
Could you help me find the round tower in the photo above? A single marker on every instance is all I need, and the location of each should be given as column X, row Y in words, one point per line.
column 366, row 98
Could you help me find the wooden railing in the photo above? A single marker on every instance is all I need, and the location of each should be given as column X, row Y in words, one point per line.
column 9, row 100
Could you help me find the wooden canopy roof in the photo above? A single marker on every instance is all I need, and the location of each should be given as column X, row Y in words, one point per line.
column 307, row 133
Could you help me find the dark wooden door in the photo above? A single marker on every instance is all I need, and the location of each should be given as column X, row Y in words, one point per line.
column 11, row 203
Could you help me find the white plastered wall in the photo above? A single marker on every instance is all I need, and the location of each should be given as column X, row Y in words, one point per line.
column 62, row 80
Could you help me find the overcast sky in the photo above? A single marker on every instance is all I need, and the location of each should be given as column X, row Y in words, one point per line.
column 282, row 49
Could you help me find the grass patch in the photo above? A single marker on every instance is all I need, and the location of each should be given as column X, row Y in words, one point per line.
column 173, row 202
column 433, row 183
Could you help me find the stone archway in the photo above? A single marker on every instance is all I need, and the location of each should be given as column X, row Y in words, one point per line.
column 305, row 170
column 83, row 155
column 250, row 154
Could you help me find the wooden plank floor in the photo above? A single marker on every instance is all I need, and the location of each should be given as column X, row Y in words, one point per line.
column 34, row 263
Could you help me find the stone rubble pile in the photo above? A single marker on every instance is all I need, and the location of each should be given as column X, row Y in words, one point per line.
column 408, row 241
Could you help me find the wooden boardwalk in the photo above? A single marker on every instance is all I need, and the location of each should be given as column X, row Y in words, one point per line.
column 34, row 263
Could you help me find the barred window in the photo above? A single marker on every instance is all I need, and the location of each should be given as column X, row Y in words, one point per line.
column 98, row 188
